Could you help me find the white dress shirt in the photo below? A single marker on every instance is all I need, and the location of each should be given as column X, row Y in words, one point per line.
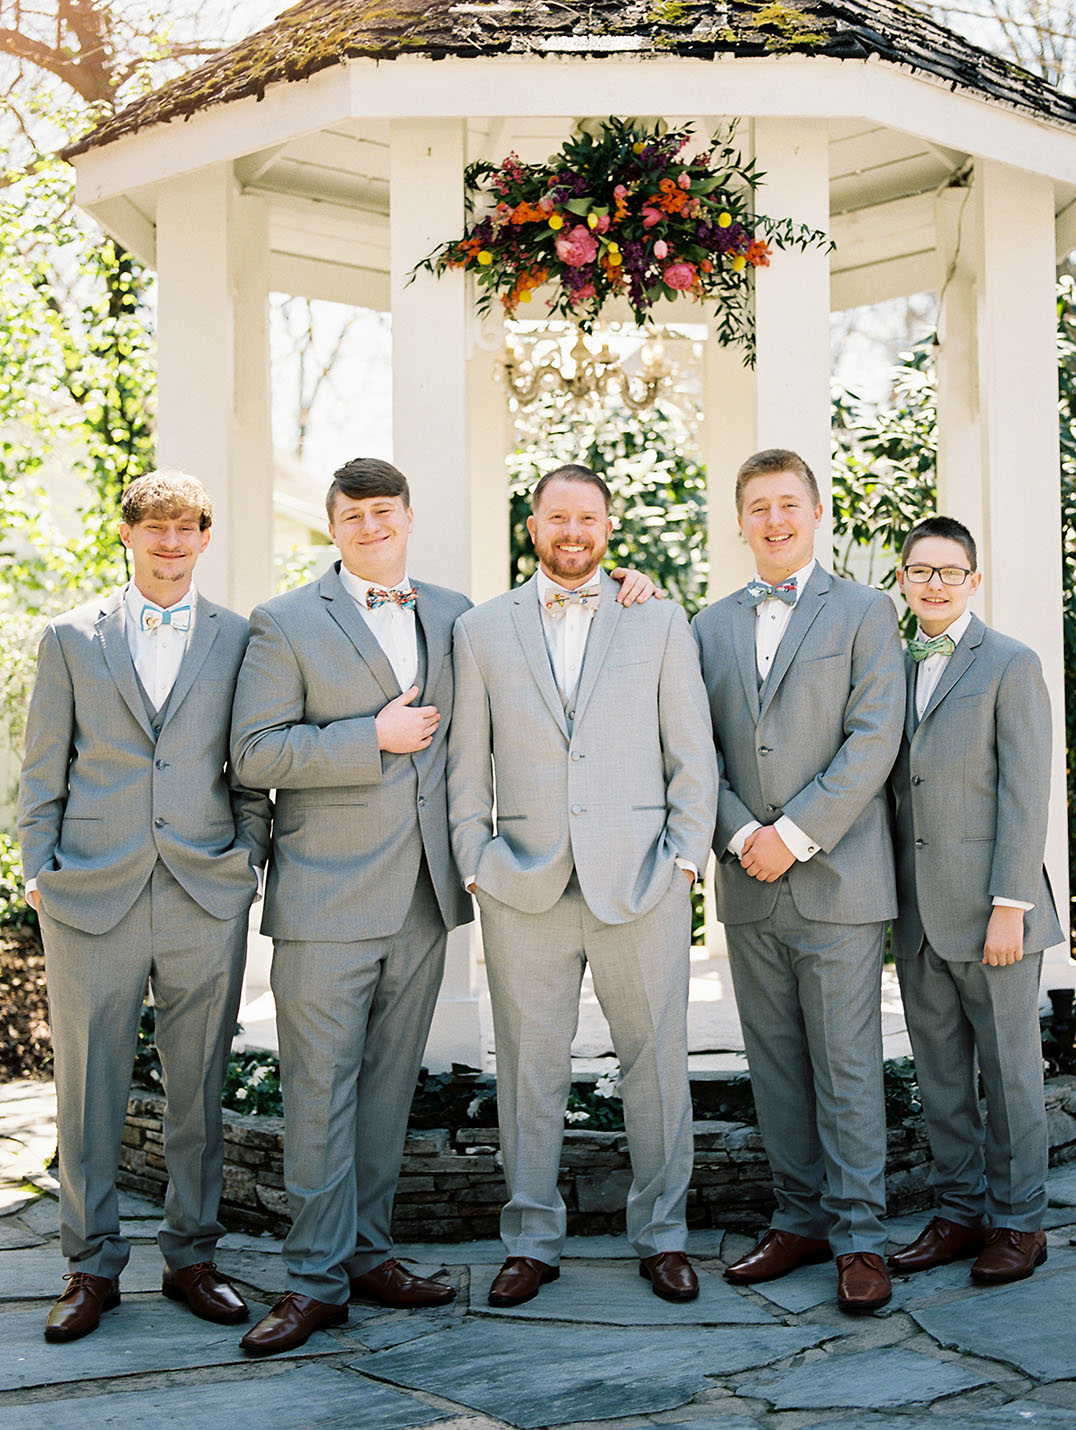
column 157, row 653
column 392, row 626
column 565, row 635
column 771, row 622
column 927, row 674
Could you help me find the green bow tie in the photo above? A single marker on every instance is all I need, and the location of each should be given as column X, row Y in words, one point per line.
column 940, row 645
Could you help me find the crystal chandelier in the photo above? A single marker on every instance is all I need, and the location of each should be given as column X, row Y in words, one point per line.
column 583, row 375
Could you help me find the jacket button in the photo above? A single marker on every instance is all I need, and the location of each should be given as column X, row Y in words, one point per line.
column 161, row 764
column 571, row 714
column 156, row 729
column 576, row 755
column 917, row 779
column 159, row 823
column 764, row 749
column 920, row 843
column 771, row 809
column 577, row 809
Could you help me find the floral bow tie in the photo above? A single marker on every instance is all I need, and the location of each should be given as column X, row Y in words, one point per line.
column 178, row 617
column 378, row 596
column 940, row 645
column 759, row 591
column 585, row 596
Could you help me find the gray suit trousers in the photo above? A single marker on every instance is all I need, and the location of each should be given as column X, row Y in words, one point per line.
column 194, row 966
column 809, row 997
column 352, row 1020
column 535, row 965
column 959, row 1013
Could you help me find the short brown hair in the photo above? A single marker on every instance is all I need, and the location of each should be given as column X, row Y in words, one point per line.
column 166, row 493
column 364, row 477
column 948, row 528
column 771, row 460
column 572, row 472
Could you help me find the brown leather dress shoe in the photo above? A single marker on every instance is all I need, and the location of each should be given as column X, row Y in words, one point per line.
column 291, row 1322
column 863, row 1282
column 78, row 1311
column 940, row 1242
column 520, row 1279
column 1009, row 1255
column 671, row 1275
column 391, row 1284
column 778, row 1253
column 206, row 1292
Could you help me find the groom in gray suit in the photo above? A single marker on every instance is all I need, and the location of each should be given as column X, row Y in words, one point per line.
column 971, row 787
column 591, row 720
column 806, row 690
column 139, row 851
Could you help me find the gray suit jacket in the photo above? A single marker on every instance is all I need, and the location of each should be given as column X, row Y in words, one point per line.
column 352, row 822
column 817, row 743
column 618, row 785
column 102, row 795
column 971, row 788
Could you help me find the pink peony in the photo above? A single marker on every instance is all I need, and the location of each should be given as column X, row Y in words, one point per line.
column 679, row 275
column 602, row 224
column 684, row 180
column 576, row 247
column 661, row 249
column 546, row 204
column 580, row 295
column 651, row 216
column 620, row 192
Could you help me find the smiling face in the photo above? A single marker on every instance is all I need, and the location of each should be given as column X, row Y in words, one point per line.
column 936, row 605
column 778, row 522
column 570, row 529
column 163, row 551
column 371, row 535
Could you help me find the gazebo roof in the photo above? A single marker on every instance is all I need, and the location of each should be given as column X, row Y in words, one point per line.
column 316, row 34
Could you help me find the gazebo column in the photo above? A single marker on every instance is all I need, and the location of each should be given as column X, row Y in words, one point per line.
column 729, row 435
column 792, row 322
column 960, row 484
column 213, row 372
column 430, row 420
column 1020, row 456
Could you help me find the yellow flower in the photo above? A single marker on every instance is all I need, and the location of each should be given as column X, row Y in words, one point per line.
column 739, row 263
column 724, row 220
column 615, row 259
column 555, row 222
column 524, row 295
column 638, row 147
column 612, row 248
column 592, row 220
column 485, row 257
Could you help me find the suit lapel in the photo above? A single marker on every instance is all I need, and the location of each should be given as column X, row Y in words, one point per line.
column 956, row 665
column 911, row 715
column 345, row 613
column 435, row 631
column 113, row 637
column 602, row 626
column 744, row 622
column 201, row 642
column 806, row 609
column 527, row 619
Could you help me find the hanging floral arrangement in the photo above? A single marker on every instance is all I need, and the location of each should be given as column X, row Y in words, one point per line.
column 621, row 211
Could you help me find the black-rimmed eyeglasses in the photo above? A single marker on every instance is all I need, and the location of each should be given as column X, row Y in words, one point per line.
column 951, row 575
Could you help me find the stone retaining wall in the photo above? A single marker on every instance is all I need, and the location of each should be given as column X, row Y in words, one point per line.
column 451, row 1187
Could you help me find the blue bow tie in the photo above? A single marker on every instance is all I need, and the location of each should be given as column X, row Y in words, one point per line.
column 378, row 596
column 922, row 650
column 759, row 591
column 178, row 617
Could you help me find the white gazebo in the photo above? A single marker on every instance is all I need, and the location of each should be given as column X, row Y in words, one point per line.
column 324, row 156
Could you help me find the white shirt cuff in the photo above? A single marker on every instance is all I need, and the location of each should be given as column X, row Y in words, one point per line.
column 31, row 887
column 739, row 839
column 692, row 869
column 800, row 844
column 999, row 903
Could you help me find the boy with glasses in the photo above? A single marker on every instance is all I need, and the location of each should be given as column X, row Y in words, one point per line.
column 971, row 787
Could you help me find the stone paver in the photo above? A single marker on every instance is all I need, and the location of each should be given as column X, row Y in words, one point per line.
column 595, row 1348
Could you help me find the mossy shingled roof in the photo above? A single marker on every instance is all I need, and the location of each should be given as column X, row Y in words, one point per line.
column 317, row 34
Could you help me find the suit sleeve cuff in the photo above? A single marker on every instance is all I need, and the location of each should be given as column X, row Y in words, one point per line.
column 800, row 844
column 998, row 902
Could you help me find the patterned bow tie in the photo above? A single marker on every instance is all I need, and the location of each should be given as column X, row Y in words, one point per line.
column 378, row 596
column 585, row 596
column 759, row 591
column 940, row 645
column 178, row 617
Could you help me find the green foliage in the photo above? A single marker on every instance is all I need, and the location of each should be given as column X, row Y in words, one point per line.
column 15, row 912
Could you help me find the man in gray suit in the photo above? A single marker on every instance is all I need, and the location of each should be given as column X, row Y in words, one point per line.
column 806, row 690
column 342, row 706
column 592, row 721
column 139, row 851
column 971, row 788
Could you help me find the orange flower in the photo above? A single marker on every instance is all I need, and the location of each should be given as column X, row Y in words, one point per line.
column 528, row 213
column 758, row 253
